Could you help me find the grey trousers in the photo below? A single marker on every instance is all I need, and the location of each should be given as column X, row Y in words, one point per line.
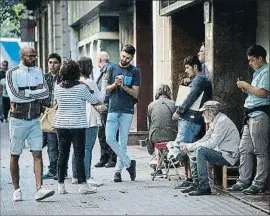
column 255, row 141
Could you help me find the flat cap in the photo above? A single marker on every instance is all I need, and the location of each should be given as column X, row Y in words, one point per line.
column 210, row 105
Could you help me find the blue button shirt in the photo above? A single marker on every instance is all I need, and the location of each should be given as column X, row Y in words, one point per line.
column 260, row 80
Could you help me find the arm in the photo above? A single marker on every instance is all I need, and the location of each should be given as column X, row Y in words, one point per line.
column 133, row 91
column 99, row 94
column 263, row 88
column 194, row 94
column 149, row 117
column 13, row 90
column 135, row 88
column 41, row 92
column 246, row 87
column 212, row 138
column 87, row 95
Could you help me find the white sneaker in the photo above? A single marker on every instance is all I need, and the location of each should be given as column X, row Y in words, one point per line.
column 93, row 183
column 74, row 181
column 87, row 189
column 17, row 195
column 61, row 188
column 43, row 193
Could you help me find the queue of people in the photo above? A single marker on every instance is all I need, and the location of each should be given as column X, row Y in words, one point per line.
column 104, row 108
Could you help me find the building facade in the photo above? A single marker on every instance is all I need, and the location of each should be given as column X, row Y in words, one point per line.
column 163, row 33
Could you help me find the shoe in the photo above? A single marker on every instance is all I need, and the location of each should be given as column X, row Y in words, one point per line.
column 43, row 193
column 200, row 192
column 132, row 170
column 117, row 177
column 252, row 190
column 189, row 189
column 238, row 186
column 48, row 176
column 87, row 189
column 100, row 164
column 183, row 184
column 94, row 183
column 17, row 195
column 110, row 164
column 157, row 173
column 61, row 188
column 74, row 181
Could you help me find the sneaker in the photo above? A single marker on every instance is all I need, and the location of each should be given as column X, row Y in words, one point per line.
column 157, row 173
column 48, row 176
column 43, row 193
column 132, row 170
column 189, row 189
column 183, row 184
column 252, row 190
column 200, row 192
column 61, row 188
column 87, row 189
column 238, row 186
column 17, row 195
column 100, row 164
column 74, row 181
column 110, row 164
column 94, row 183
column 117, row 177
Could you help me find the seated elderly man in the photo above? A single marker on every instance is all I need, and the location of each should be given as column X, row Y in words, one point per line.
column 219, row 146
column 160, row 124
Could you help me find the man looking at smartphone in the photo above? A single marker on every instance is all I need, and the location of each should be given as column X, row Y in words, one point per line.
column 124, row 84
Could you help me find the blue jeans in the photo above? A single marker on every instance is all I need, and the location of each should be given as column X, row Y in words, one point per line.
column 121, row 122
column 90, row 139
column 204, row 155
column 187, row 133
column 52, row 149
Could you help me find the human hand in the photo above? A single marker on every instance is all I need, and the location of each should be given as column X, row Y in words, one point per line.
column 175, row 116
column 21, row 92
column 242, row 85
column 186, row 81
column 119, row 80
column 184, row 148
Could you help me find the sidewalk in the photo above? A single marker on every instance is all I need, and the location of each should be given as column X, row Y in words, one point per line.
column 142, row 197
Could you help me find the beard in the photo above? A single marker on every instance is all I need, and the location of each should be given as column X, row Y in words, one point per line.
column 125, row 63
column 29, row 63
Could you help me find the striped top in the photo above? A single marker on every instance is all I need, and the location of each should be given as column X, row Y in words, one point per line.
column 71, row 111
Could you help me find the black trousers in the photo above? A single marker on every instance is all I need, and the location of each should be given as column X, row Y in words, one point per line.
column 6, row 106
column 65, row 138
column 106, row 154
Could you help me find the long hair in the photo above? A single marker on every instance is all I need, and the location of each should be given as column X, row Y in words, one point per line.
column 86, row 67
column 163, row 90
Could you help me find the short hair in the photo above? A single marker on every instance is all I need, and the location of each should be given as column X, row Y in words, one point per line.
column 86, row 66
column 163, row 90
column 56, row 56
column 129, row 49
column 193, row 60
column 5, row 61
column 70, row 71
column 256, row 51
column 104, row 56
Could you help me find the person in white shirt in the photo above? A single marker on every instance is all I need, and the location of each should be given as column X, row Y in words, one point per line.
column 92, row 116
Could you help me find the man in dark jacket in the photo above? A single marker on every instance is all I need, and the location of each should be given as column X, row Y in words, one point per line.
column 190, row 121
column 52, row 78
column 159, row 118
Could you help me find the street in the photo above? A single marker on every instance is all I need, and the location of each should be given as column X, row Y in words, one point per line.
column 142, row 197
